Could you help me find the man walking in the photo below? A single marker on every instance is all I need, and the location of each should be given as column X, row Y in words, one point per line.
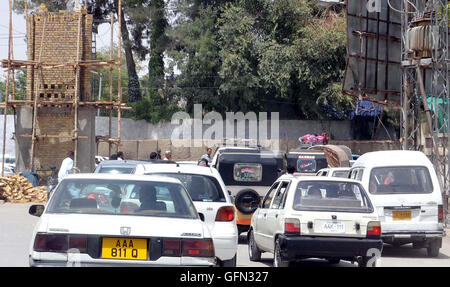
column 66, row 166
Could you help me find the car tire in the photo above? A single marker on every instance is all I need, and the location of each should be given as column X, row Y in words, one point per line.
column 334, row 260
column 228, row 263
column 244, row 196
column 433, row 248
column 253, row 251
column 277, row 260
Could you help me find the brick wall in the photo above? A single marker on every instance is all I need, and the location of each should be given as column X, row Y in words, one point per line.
column 52, row 38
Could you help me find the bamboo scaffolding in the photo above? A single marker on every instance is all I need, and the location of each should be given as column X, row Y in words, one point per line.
column 10, row 65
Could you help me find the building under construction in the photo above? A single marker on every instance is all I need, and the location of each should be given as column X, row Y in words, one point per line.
column 58, row 114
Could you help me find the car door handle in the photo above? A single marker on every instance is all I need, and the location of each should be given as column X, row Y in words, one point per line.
column 276, row 215
column 265, row 215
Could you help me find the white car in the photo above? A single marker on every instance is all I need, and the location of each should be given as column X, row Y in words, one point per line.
column 334, row 172
column 83, row 225
column 211, row 198
column 315, row 217
column 405, row 190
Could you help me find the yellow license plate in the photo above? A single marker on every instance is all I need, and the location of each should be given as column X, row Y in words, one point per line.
column 401, row 215
column 124, row 248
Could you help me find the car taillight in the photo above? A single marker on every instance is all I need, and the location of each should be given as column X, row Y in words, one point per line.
column 440, row 213
column 292, row 226
column 59, row 243
column 171, row 248
column 225, row 213
column 78, row 242
column 373, row 229
column 198, row 248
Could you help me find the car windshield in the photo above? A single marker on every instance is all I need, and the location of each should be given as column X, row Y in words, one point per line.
column 116, row 170
column 200, row 187
column 341, row 173
column 120, row 197
column 331, row 196
column 400, row 179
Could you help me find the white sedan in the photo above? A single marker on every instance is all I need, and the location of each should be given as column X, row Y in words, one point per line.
column 211, row 198
column 83, row 224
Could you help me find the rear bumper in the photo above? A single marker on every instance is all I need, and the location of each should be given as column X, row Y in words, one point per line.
column 293, row 247
column 86, row 261
column 411, row 236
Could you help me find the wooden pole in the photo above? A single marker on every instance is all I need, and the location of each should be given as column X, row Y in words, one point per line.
column 7, row 89
column 36, row 97
column 111, row 47
column 119, row 87
column 76, row 94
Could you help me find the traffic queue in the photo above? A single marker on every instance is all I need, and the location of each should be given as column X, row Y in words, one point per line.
column 295, row 205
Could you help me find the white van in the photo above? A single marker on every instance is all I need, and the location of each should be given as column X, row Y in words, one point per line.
column 404, row 189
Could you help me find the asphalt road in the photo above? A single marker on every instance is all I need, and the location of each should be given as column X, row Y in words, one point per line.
column 16, row 228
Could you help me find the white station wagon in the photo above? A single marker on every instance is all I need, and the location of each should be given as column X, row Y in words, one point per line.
column 210, row 197
column 315, row 217
column 85, row 224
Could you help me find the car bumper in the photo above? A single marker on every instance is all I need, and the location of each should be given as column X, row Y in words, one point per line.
column 84, row 260
column 225, row 245
column 411, row 236
column 326, row 247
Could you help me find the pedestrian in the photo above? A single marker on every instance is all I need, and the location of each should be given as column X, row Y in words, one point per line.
column 113, row 157
column 153, row 155
column 207, row 155
column 120, row 156
column 158, row 154
column 168, row 155
column 66, row 166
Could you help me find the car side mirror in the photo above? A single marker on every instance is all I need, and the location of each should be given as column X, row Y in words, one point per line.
column 36, row 210
column 202, row 216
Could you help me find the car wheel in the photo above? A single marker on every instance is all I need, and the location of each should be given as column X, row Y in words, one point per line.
column 253, row 251
column 433, row 248
column 228, row 263
column 334, row 260
column 277, row 260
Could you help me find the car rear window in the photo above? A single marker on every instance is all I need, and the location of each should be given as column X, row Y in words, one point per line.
column 116, row 170
column 247, row 172
column 341, row 173
column 400, row 180
column 331, row 196
column 200, row 187
column 119, row 197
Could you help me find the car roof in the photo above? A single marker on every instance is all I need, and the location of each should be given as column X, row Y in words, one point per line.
column 335, row 168
column 120, row 162
column 181, row 168
column 124, row 177
column 315, row 178
column 392, row 158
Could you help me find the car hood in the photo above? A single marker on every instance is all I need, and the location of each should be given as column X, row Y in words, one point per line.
column 111, row 225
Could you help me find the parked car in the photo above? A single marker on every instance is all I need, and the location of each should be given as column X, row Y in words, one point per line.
column 247, row 173
column 78, row 227
column 116, row 166
column 306, row 162
column 315, row 217
column 405, row 190
column 211, row 198
column 334, row 172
